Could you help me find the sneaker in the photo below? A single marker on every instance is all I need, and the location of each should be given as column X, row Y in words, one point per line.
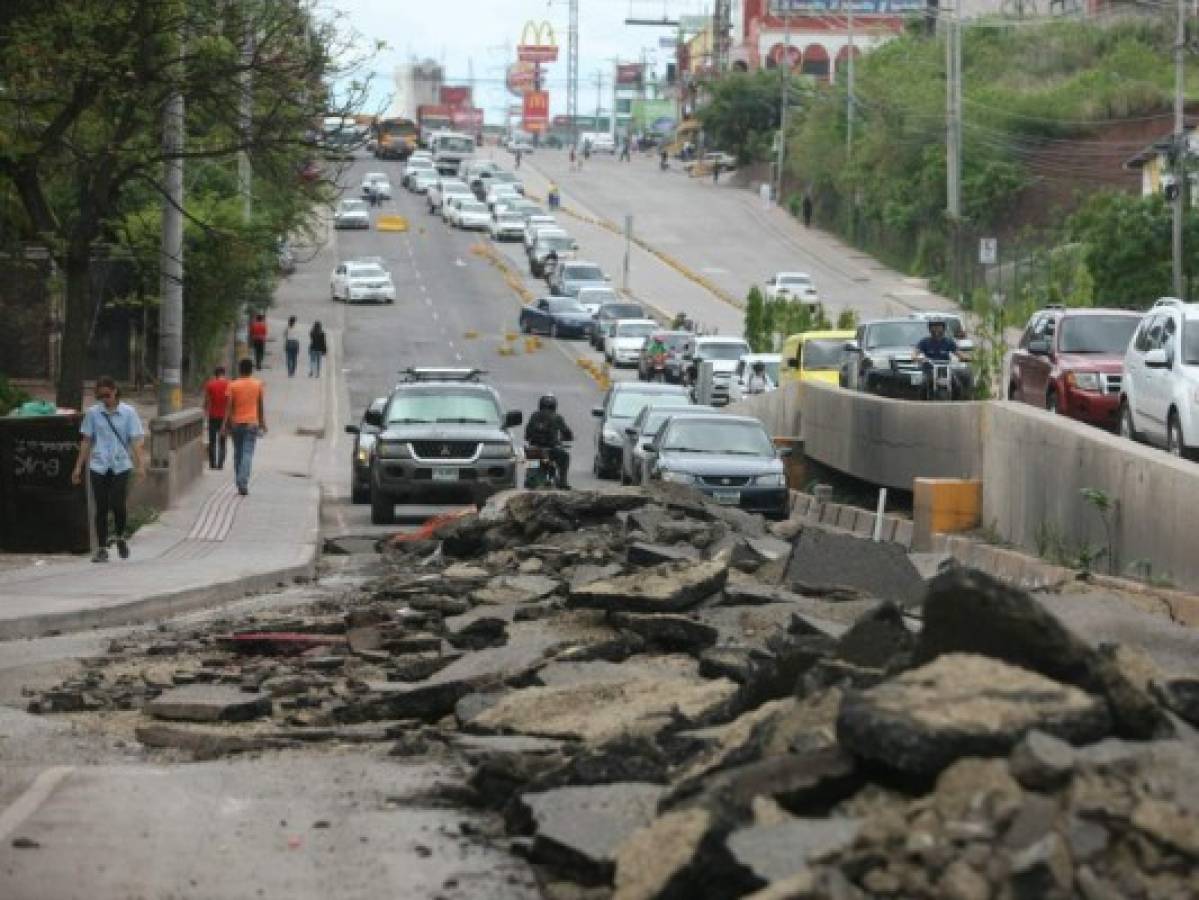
column 101, row 556
column 244, row 491
column 122, row 548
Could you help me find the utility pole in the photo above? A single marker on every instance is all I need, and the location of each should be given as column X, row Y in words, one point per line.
column 1180, row 150
column 599, row 96
column 953, row 125
column 849, row 110
column 245, row 174
column 572, row 73
column 170, row 314
column 784, row 96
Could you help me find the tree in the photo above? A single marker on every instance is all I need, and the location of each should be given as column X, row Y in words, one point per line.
column 85, row 84
column 755, row 322
column 742, row 113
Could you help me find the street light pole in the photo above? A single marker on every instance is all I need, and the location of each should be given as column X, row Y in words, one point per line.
column 785, row 81
column 170, row 314
column 1180, row 151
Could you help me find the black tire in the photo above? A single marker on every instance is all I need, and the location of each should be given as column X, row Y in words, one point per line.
column 383, row 510
column 535, row 270
column 360, row 494
column 1127, row 427
column 596, row 469
column 525, row 328
column 1175, row 440
column 1012, row 390
column 1051, row 403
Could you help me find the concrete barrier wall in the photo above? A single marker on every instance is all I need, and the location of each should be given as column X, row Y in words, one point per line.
column 890, row 442
column 176, row 450
column 1036, row 465
column 779, row 410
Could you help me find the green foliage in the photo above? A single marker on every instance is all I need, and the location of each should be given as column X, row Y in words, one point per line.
column 755, row 321
column 990, row 346
column 742, row 113
column 847, row 319
column 767, row 322
column 10, row 397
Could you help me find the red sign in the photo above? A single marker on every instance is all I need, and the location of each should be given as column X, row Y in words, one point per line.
column 536, row 111
column 537, row 53
column 629, row 73
column 466, row 117
column 455, row 96
column 521, row 78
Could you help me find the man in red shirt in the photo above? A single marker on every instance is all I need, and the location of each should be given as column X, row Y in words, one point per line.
column 258, row 338
column 216, row 399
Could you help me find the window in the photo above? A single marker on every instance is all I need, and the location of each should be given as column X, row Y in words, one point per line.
column 1141, row 342
column 627, row 404
column 428, row 407
column 824, row 354
column 1096, row 334
column 725, row 351
column 708, row 436
column 1156, row 331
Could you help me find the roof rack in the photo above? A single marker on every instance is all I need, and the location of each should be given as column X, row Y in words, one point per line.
column 415, row 374
column 1168, row 301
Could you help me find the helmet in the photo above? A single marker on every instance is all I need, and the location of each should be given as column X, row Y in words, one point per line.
column 548, row 403
column 934, row 322
column 759, row 366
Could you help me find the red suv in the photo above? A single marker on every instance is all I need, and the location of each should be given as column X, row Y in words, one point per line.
column 1071, row 361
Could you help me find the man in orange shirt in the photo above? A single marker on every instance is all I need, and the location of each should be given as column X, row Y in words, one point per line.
column 245, row 417
column 258, row 338
column 216, row 390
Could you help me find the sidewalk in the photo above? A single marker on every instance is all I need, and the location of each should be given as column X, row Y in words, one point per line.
column 215, row 545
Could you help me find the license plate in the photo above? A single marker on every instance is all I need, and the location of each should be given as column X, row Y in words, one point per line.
column 445, row 474
column 729, row 498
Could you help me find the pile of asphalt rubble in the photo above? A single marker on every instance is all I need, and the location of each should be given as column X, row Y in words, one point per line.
column 665, row 698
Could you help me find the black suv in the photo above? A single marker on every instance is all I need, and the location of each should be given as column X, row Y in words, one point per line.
column 444, row 439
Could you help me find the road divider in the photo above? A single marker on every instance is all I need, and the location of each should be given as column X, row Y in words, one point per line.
column 511, row 276
column 391, row 223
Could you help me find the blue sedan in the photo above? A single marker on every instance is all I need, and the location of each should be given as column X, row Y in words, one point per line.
column 557, row 317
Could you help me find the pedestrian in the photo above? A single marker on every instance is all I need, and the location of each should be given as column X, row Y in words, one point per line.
column 624, row 151
column 291, row 346
column 216, row 391
column 807, row 210
column 587, row 149
column 316, row 350
column 245, row 419
column 573, row 159
column 518, row 154
column 110, row 451
column 258, row 338
column 553, row 198
column 716, row 172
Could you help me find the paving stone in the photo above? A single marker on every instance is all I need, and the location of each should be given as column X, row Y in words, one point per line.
column 641, row 553
column 1041, row 761
column 670, row 632
column 389, row 700
column 824, row 560
column 505, row 589
column 209, row 703
column 659, row 589
column 777, row 851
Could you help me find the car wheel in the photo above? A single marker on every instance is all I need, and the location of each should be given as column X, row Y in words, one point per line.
column 1127, row 428
column 1051, row 404
column 595, row 466
column 382, row 508
column 360, row 494
column 1175, row 443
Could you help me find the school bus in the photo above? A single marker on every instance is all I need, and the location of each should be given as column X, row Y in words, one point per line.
column 395, row 138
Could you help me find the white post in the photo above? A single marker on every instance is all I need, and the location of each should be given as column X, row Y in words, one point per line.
column 878, row 516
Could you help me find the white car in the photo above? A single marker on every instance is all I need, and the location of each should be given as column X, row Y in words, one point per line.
column 795, row 286
column 378, row 183
column 436, row 194
column 550, row 240
column 499, row 193
column 724, row 353
column 533, row 223
column 423, row 180
column 1159, row 393
column 745, row 367
column 358, row 281
column 592, row 298
column 505, row 226
column 623, row 345
column 452, row 201
column 471, row 215
column 352, row 214
column 476, row 168
column 414, row 167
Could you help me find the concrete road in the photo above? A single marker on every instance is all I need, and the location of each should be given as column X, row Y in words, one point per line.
column 726, row 234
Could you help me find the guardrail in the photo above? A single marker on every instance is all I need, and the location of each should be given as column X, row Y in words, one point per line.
column 176, row 459
column 1046, row 479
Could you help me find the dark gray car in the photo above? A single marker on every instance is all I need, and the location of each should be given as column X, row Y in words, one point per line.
column 622, row 403
column 443, row 440
column 729, row 458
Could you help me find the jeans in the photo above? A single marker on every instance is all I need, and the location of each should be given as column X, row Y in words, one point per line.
column 259, row 350
column 293, row 355
column 244, row 439
column 314, row 363
column 108, row 492
column 217, row 443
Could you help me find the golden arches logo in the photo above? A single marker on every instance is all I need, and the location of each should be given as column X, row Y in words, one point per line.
column 537, row 35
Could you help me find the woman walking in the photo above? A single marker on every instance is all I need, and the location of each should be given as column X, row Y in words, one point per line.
column 291, row 345
column 316, row 350
column 111, row 450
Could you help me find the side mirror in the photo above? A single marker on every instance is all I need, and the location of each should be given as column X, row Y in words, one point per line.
column 852, row 347
column 1039, row 347
column 597, row 411
column 784, row 452
column 1157, row 359
column 374, row 419
column 631, row 432
column 353, row 429
column 793, row 363
column 513, row 418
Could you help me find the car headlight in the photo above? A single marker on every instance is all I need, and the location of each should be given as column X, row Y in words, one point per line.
column 1084, row 381
column 394, row 450
column 677, row 477
column 497, row 451
column 775, row 479
column 363, row 455
column 612, row 436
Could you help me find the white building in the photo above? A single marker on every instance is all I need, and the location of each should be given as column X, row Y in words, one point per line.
column 417, row 84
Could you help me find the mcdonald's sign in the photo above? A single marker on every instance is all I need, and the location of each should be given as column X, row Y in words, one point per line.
column 536, row 111
column 537, row 43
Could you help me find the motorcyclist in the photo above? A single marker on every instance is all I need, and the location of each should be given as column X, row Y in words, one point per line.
column 758, row 382
column 547, row 429
column 939, row 347
column 656, row 352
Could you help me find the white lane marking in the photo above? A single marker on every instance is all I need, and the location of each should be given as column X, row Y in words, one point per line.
column 424, row 290
column 435, row 315
column 458, row 356
column 29, row 802
column 428, row 302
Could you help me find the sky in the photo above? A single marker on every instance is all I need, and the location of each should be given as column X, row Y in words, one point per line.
column 479, row 37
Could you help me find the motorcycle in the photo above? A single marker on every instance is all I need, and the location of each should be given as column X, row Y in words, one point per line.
column 946, row 380
column 541, row 472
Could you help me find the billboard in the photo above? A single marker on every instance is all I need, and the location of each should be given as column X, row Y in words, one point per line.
column 864, row 7
column 629, row 73
column 454, row 96
column 654, row 116
column 467, row 118
column 521, row 78
column 536, row 111
column 537, row 43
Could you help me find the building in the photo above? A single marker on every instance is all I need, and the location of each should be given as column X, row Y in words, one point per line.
column 416, row 84
column 1157, row 171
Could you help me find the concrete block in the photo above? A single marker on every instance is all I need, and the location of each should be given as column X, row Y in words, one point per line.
column 830, row 513
column 863, row 525
column 945, row 505
column 800, row 503
column 904, row 532
column 888, row 532
column 848, row 517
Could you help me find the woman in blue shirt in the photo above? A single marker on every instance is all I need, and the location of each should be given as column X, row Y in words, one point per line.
column 111, row 450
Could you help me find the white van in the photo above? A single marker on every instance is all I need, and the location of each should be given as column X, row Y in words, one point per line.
column 450, row 150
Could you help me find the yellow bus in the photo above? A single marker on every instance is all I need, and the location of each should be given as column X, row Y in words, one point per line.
column 395, row 138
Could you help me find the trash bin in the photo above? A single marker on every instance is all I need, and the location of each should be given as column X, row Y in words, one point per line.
column 40, row 510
